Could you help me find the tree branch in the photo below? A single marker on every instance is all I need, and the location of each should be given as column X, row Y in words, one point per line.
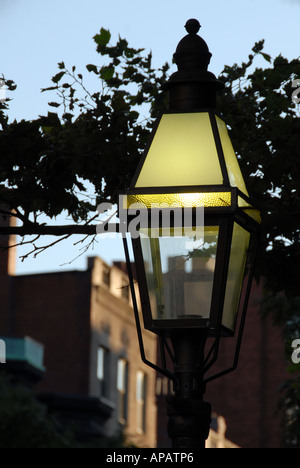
column 39, row 249
column 44, row 230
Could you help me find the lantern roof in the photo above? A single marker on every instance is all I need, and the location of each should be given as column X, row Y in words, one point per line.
column 190, row 145
column 190, row 161
column 190, row 149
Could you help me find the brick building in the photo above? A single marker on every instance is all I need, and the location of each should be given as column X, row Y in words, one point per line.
column 85, row 321
column 248, row 398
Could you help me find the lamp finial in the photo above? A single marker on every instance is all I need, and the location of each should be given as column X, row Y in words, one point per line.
column 192, row 26
column 192, row 87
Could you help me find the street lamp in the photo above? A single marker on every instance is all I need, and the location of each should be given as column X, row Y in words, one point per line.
column 196, row 232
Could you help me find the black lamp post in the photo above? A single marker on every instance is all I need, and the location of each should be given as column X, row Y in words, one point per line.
column 194, row 272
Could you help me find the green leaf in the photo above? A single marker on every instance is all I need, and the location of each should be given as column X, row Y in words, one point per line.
column 107, row 73
column 52, row 88
column 134, row 115
column 11, row 85
column 68, row 117
column 58, row 77
column 103, row 38
column 53, row 104
column 92, row 68
column 258, row 47
column 47, row 130
column 267, row 57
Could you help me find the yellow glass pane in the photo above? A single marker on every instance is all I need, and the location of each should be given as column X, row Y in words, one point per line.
column 183, row 153
column 182, row 200
column 237, row 264
column 234, row 172
column 180, row 274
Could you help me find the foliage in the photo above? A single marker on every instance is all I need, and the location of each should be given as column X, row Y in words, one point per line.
column 74, row 162
column 265, row 132
column 290, row 404
column 26, row 423
column 265, row 129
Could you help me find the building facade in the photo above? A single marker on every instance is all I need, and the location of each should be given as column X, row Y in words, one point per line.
column 120, row 375
column 85, row 322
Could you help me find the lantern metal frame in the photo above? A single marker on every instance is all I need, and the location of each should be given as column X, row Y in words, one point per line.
column 224, row 217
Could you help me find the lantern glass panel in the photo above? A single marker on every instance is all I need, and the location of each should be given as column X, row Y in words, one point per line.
column 234, row 172
column 237, row 264
column 180, row 274
column 182, row 153
column 182, row 200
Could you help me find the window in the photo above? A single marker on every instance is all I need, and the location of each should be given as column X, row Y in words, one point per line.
column 106, row 275
column 163, row 387
column 122, row 387
column 141, row 401
column 125, row 290
column 103, row 371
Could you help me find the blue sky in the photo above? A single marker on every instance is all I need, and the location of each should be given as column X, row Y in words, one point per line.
column 35, row 36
